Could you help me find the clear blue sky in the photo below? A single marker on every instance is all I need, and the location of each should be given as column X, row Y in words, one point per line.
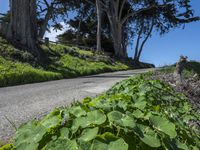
column 166, row 49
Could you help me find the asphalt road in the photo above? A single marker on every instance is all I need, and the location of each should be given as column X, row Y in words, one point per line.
column 18, row 104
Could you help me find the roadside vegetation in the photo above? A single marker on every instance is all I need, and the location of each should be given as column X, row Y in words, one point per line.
column 20, row 67
column 136, row 113
column 191, row 68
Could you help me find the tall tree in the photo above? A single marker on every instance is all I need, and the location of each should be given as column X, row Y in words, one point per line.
column 120, row 12
column 23, row 25
column 145, row 28
column 99, row 17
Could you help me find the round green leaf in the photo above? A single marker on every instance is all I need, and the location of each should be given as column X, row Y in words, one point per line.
column 119, row 144
column 147, row 135
column 89, row 134
column 77, row 111
column 96, row 117
column 123, row 120
column 62, row 144
column 162, row 124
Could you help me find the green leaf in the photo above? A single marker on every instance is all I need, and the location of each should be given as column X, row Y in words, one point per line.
column 51, row 122
column 162, row 124
column 29, row 133
column 89, row 134
column 62, row 144
column 138, row 114
column 128, row 121
column 98, row 145
column 123, row 120
column 64, row 133
column 140, row 104
column 96, row 117
column 119, row 144
column 77, row 111
column 27, row 146
column 147, row 135
column 115, row 117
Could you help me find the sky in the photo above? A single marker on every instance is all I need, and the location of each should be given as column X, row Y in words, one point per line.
column 160, row 50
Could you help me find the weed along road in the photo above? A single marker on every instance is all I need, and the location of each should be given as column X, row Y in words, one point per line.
column 19, row 104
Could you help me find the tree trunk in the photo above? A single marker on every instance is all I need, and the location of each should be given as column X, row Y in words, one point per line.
column 145, row 40
column 78, row 33
column 43, row 27
column 23, row 25
column 116, row 31
column 99, row 12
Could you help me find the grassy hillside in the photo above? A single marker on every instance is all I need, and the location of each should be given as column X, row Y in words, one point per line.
column 135, row 114
column 20, row 67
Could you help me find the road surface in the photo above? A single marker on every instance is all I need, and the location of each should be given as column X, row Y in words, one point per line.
column 19, row 104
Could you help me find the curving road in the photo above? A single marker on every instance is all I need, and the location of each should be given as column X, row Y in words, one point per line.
column 18, row 104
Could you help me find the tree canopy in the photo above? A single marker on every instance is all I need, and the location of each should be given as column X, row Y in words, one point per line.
column 111, row 24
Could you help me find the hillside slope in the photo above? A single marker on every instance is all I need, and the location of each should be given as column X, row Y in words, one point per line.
column 20, row 67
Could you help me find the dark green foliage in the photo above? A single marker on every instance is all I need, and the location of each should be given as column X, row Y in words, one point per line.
column 134, row 114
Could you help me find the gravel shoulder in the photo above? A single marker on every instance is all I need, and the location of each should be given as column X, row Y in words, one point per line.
column 19, row 104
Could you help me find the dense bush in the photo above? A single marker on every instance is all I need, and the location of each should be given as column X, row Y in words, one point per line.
column 134, row 114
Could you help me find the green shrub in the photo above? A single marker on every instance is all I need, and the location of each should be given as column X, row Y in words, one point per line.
column 134, row 114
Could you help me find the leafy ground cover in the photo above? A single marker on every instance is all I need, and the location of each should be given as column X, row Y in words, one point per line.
column 20, row 67
column 134, row 114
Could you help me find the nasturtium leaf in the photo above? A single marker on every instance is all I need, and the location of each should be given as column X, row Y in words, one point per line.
column 79, row 122
column 147, row 135
column 162, row 124
column 84, row 145
column 138, row 114
column 128, row 121
column 30, row 133
column 64, row 133
column 51, row 122
column 89, row 134
column 27, row 146
column 119, row 144
column 123, row 105
column 77, row 111
column 98, row 145
column 96, row 117
column 120, row 119
column 115, row 117
column 62, row 144
column 140, row 104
